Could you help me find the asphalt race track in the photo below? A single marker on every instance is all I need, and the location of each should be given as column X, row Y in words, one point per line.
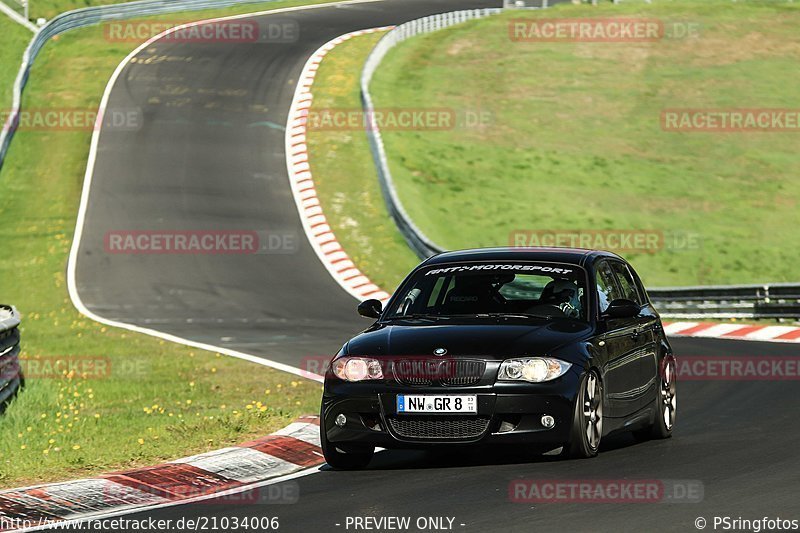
column 210, row 156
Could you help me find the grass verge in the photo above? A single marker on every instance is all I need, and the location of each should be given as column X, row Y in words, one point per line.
column 15, row 39
column 117, row 399
column 344, row 174
column 50, row 8
column 574, row 140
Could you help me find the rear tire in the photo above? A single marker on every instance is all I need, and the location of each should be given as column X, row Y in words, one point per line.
column 342, row 456
column 664, row 405
column 587, row 419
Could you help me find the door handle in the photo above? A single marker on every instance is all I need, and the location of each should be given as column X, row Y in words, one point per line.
column 635, row 334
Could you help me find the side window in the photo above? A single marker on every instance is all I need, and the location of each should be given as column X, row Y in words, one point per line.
column 606, row 287
column 629, row 289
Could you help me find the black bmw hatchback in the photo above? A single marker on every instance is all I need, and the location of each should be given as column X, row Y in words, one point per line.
column 546, row 347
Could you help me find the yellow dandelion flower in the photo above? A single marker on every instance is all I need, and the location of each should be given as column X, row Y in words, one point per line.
column 76, row 447
column 140, row 441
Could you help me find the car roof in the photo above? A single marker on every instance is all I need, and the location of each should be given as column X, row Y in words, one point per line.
column 576, row 256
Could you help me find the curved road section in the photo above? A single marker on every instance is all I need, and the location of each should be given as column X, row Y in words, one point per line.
column 190, row 227
column 208, row 156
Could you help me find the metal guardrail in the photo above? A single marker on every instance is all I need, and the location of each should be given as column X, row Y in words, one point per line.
column 417, row 240
column 772, row 301
column 9, row 352
column 87, row 17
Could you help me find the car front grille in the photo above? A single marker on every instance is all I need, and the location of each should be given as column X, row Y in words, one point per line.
column 439, row 427
column 450, row 372
column 464, row 373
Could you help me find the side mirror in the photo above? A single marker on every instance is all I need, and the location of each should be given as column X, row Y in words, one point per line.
column 622, row 308
column 370, row 308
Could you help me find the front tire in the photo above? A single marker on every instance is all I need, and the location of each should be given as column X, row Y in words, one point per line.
column 344, row 457
column 587, row 420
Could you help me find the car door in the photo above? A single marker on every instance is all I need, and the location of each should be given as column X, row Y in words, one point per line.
column 645, row 367
column 625, row 345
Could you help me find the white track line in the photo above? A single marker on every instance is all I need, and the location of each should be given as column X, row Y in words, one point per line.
column 87, row 185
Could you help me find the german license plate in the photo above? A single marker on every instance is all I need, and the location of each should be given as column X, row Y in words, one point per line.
column 416, row 403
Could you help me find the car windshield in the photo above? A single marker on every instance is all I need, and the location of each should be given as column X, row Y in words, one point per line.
column 526, row 290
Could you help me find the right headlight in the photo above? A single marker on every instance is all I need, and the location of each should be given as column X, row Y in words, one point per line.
column 532, row 369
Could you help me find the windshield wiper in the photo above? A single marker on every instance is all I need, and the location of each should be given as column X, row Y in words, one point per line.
column 417, row 316
column 508, row 315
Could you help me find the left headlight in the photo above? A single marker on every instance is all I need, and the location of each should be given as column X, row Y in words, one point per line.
column 357, row 368
column 532, row 369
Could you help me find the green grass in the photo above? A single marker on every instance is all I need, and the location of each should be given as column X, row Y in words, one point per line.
column 50, row 8
column 575, row 140
column 159, row 401
column 344, row 174
column 15, row 39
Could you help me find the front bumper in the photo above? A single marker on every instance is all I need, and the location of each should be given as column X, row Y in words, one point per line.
column 508, row 413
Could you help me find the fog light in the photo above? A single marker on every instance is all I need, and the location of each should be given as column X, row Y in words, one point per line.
column 341, row 420
column 547, row 421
